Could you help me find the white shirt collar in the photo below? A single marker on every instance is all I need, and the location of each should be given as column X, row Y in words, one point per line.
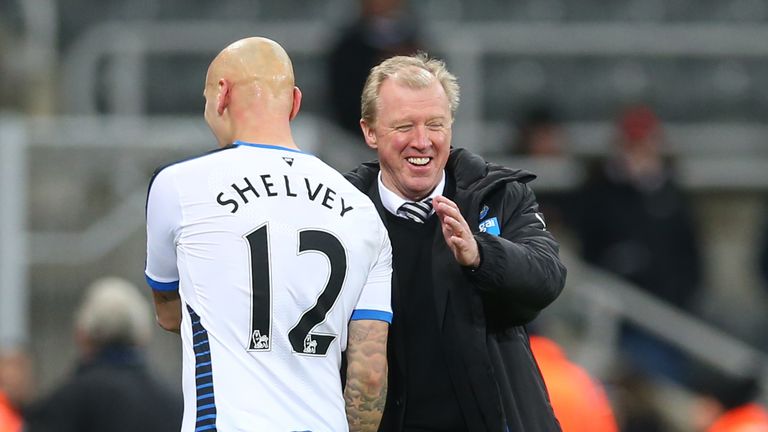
column 392, row 201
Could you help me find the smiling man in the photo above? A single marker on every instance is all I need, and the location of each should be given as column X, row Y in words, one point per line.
column 472, row 262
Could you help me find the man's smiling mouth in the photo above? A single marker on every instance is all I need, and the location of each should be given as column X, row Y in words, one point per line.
column 419, row 161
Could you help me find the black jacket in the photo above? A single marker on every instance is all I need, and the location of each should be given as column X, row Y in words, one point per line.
column 114, row 392
column 520, row 274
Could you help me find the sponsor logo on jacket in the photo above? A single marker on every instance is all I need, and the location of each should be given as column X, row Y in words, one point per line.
column 484, row 211
column 490, row 226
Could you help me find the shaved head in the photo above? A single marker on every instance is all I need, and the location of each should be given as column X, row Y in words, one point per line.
column 250, row 87
column 254, row 59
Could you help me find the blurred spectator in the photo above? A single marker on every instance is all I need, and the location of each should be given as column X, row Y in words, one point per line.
column 112, row 389
column 15, row 387
column 540, row 134
column 635, row 221
column 9, row 58
column 748, row 418
column 579, row 401
column 636, row 399
column 732, row 403
column 382, row 30
column 763, row 252
column 10, row 420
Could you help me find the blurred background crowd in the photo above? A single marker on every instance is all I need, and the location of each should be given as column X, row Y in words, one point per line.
column 646, row 121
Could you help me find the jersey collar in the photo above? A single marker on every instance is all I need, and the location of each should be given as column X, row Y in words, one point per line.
column 239, row 143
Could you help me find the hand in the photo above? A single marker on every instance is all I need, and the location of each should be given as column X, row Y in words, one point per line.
column 456, row 232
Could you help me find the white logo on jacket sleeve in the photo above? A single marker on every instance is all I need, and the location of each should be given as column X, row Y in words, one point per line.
column 540, row 217
column 490, row 226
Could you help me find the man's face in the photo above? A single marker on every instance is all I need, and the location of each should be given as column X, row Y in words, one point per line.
column 412, row 135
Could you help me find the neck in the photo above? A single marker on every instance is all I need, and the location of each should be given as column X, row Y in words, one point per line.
column 279, row 136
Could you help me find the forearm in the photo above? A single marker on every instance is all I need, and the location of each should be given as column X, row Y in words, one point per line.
column 366, row 390
column 364, row 406
column 168, row 310
column 526, row 277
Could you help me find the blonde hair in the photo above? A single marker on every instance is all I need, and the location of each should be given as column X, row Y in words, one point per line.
column 114, row 312
column 416, row 71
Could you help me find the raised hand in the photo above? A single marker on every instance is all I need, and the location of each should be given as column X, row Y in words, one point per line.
column 456, row 232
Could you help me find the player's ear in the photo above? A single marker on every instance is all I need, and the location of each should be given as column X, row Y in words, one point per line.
column 223, row 94
column 369, row 133
column 296, row 103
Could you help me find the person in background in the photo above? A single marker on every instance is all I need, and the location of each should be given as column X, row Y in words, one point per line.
column 382, row 29
column 579, row 400
column 762, row 254
column 112, row 388
column 15, row 386
column 473, row 262
column 635, row 221
column 730, row 403
column 269, row 264
column 541, row 135
column 16, row 377
column 10, row 418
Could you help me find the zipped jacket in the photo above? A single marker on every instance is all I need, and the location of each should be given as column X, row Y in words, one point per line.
column 486, row 308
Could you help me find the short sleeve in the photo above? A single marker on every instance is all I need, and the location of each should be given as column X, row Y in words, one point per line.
column 375, row 302
column 163, row 221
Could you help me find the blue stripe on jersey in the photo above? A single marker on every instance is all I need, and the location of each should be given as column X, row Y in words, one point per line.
column 162, row 286
column 205, row 391
column 267, row 146
column 205, row 396
column 205, row 407
column 370, row 314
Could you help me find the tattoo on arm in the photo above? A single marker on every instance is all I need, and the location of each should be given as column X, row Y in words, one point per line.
column 366, row 390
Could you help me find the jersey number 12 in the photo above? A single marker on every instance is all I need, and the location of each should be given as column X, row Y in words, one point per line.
column 301, row 337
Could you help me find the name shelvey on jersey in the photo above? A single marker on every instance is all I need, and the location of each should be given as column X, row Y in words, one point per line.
column 268, row 186
column 273, row 253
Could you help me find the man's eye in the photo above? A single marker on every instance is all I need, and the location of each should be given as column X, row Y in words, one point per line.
column 403, row 128
column 435, row 126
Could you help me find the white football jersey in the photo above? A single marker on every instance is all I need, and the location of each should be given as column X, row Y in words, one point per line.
column 272, row 252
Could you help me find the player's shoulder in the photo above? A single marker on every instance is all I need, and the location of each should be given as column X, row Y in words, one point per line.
column 187, row 162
